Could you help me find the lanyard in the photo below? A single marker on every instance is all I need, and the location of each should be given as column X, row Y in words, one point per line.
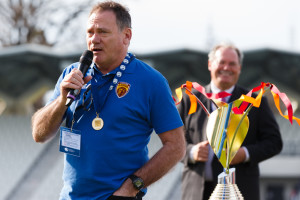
column 115, row 80
column 73, row 115
column 99, row 103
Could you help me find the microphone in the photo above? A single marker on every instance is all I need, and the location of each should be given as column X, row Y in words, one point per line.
column 86, row 60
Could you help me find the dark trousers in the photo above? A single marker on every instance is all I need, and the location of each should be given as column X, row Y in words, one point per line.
column 139, row 196
column 123, row 198
column 209, row 187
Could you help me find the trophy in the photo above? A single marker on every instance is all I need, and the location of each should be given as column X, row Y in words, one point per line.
column 226, row 132
column 227, row 128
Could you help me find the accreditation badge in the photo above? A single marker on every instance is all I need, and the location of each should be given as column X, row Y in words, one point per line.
column 70, row 141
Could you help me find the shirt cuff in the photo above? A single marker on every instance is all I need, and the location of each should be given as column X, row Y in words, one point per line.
column 247, row 159
column 191, row 153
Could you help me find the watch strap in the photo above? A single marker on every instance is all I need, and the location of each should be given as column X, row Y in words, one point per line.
column 137, row 182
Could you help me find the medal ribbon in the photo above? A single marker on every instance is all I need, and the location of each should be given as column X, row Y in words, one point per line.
column 120, row 70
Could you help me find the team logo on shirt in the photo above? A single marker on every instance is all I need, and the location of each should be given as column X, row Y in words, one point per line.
column 122, row 89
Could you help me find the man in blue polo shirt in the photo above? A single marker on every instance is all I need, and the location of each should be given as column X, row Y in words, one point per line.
column 108, row 126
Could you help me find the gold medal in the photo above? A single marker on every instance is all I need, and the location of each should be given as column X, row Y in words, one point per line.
column 97, row 123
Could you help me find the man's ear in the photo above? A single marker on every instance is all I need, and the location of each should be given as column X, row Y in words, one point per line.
column 240, row 69
column 209, row 65
column 127, row 36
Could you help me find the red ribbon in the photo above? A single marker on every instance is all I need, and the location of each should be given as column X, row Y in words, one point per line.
column 247, row 99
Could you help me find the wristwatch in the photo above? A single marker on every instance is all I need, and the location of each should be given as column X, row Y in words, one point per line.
column 137, row 182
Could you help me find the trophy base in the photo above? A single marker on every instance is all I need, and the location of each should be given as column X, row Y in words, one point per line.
column 226, row 191
column 226, row 188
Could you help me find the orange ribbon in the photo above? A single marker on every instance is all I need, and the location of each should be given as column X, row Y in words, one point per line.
column 193, row 99
column 277, row 95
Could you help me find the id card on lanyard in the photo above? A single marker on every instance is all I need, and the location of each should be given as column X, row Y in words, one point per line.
column 70, row 141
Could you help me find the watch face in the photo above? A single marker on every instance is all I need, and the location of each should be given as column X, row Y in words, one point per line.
column 138, row 183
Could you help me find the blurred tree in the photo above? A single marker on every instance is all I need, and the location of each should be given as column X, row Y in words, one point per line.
column 45, row 22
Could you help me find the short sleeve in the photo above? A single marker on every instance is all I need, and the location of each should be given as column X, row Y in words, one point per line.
column 163, row 112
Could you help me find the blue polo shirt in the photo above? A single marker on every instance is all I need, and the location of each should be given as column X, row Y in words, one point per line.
column 108, row 156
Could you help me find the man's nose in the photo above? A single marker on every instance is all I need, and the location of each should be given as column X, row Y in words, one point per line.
column 95, row 38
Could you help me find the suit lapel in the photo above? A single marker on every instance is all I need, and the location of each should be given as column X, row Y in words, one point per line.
column 236, row 94
column 208, row 102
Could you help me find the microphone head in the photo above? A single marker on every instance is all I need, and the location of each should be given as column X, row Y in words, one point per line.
column 86, row 57
column 86, row 60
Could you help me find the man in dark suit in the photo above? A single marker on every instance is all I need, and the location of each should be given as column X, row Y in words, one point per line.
column 263, row 140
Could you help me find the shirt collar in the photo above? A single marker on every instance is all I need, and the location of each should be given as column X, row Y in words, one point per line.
column 127, row 71
column 109, row 73
column 215, row 89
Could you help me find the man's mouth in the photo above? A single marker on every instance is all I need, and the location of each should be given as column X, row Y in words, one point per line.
column 223, row 72
column 96, row 49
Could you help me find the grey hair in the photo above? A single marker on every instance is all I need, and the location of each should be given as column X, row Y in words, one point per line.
column 122, row 13
column 212, row 53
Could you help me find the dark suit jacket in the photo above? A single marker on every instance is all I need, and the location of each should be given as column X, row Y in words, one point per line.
column 263, row 141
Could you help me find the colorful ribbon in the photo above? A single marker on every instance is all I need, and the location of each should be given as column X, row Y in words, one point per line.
column 227, row 126
column 246, row 99
column 188, row 86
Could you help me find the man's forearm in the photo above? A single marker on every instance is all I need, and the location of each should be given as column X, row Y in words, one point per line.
column 46, row 121
column 172, row 152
